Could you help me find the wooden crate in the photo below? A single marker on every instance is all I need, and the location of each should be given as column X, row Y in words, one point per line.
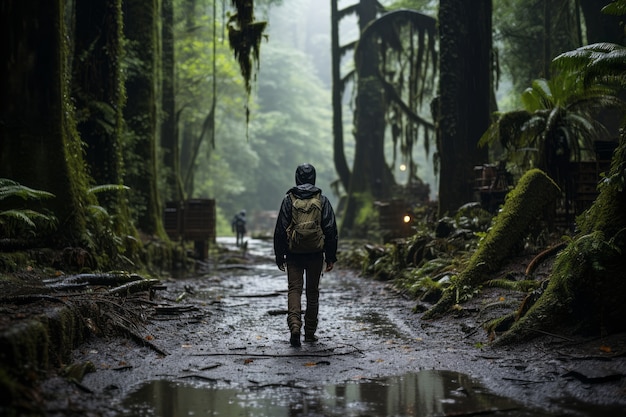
column 172, row 219
column 199, row 220
column 391, row 219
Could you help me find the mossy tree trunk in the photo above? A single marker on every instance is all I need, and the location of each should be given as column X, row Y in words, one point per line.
column 339, row 155
column 528, row 203
column 465, row 89
column 98, row 89
column 169, row 131
column 39, row 144
column 371, row 177
column 588, row 281
column 142, row 112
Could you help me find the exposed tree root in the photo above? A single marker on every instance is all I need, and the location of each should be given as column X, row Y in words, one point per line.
column 542, row 256
column 524, row 205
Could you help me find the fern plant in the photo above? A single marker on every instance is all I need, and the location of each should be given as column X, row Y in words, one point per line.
column 16, row 221
column 101, row 230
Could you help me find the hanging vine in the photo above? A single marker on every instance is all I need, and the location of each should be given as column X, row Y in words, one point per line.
column 407, row 71
column 244, row 36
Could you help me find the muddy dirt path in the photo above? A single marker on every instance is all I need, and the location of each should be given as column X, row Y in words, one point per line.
column 221, row 336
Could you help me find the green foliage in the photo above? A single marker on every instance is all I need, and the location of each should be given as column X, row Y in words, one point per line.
column 558, row 121
column 599, row 62
column 15, row 221
column 508, row 284
column 110, row 248
column 520, row 30
column 615, row 8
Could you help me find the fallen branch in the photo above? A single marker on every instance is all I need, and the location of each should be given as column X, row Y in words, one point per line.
column 133, row 287
column 174, row 309
column 139, row 339
column 271, row 294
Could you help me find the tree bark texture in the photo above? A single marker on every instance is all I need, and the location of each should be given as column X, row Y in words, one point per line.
column 98, row 88
column 169, row 131
column 142, row 111
column 602, row 27
column 371, row 178
column 39, row 145
column 465, row 90
column 339, row 155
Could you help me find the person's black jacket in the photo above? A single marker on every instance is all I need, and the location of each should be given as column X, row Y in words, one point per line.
column 329, row 225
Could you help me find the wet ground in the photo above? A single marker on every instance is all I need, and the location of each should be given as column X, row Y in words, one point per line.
column 220, row 347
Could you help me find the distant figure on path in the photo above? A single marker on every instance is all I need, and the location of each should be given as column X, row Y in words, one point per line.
column 305, row 236
column 238, row 226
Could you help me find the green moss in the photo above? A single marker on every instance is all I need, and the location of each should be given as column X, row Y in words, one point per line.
column 524, row 205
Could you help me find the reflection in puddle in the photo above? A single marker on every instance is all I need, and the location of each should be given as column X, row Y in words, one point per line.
column 425, row 393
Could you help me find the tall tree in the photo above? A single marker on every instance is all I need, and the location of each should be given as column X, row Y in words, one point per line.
column 532, row 32
column 394, row 65
column 371, row 177
column 141, row 20
column 98, row 91
column 169, row 127
column 602, row 27
column 465, row 92
column 338, row 87
column 39, row 144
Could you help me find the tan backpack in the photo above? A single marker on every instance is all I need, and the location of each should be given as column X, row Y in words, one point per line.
column 305, row 234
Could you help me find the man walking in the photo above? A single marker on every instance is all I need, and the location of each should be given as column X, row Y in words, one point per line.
column 238, row 226
column 305, row 236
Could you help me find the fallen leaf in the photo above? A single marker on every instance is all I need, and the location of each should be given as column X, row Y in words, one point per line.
column 247, row 361
column 605, row 349
column 185, row 346
column 149, row 337
column 310, row 364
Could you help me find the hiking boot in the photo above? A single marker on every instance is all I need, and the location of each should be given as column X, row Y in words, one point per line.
column 295, row 339
column 310, row 338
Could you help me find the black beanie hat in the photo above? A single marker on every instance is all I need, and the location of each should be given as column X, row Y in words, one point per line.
column 305, row 174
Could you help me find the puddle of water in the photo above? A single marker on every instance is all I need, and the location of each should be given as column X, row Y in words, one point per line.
column 423, row 394
column 378, row 324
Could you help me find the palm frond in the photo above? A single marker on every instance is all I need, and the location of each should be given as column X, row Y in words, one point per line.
column 19, row 215
column 107, row 187
column 10, row 188
column 616, row 8
column 604, row 62
column 26, row 217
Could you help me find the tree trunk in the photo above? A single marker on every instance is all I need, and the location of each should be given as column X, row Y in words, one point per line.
column 142, row 111
column 371, row 178
column 601, row 27
column 39, row 145
column 169, row 131
column 465, row 91
column 98, row 89
column 341, row 164
column 186, row 158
